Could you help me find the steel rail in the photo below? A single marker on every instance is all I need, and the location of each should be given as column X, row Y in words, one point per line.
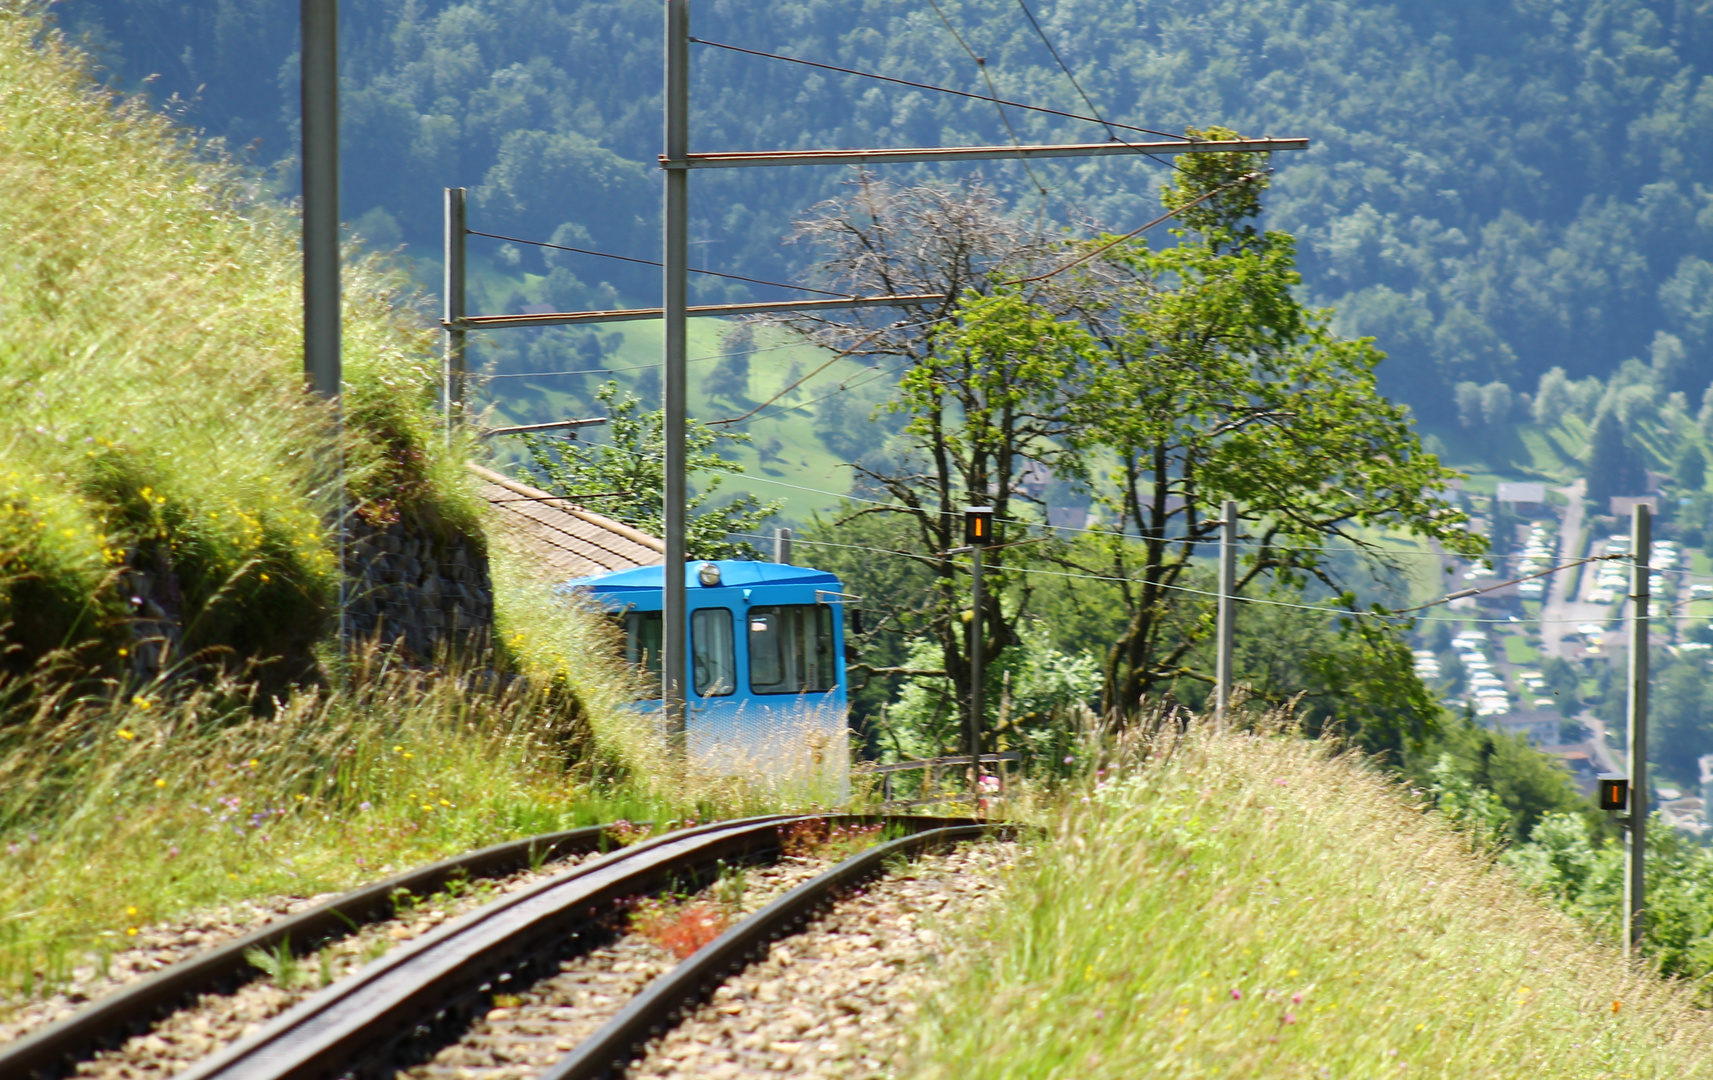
column 417, row 987
column 607, row 1051
column 368, row 1011
column 54, row 1050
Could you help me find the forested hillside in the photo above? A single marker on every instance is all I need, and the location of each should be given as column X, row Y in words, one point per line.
column 1495, row 188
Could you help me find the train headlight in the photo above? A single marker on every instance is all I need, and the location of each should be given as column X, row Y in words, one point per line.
column 708, row 574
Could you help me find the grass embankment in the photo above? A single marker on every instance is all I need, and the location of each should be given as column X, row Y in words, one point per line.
column 152, row 391
column 113, row 816
column 157, row 430
column 1246, row 907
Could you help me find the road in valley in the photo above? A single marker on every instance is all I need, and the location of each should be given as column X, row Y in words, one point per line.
column 1564, row 611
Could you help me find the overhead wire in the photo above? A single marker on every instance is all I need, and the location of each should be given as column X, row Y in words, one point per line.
column 849, row 384
column 1042, row 34
column 1109, row 125
column 634, row 367
column 840, row 354
column 1257, row 601
column 652, row 262
column 1342, row 612
column 981, row 65
column 1132, row 234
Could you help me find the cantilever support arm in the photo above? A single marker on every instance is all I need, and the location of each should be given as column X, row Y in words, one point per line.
column 740, row 160
column 561, row 318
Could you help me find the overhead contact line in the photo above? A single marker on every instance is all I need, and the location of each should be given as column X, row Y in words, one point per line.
column 1108, row 124
column 652, row 262
column 1042, row 34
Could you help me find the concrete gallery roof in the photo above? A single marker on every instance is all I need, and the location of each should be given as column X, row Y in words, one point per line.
column 564, row 539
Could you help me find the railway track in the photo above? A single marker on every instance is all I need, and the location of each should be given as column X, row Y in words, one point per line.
column 420, row 996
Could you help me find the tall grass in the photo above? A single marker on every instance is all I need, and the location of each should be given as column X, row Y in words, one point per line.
column 1256, row 906
column 118, row 812
column 150, row 380
column 112, row 816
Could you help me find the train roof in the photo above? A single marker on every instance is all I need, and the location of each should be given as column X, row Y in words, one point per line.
column 734, row 573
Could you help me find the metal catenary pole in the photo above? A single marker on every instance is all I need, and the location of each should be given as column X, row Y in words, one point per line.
column 978, row 535
column 1227, row 627
column 322, row 362
column 1635, row 834
column 320, row 77
column 455, row 366
column 675, row 288
column 782, row 546
column 976, row 687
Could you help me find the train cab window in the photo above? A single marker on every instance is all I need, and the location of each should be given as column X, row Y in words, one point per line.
column 791, row 649
column 713, row 657
column 643, row 639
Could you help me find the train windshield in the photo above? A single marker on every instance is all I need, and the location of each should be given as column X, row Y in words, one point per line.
column 713, row 657
column 791, row 649
column 642, row 640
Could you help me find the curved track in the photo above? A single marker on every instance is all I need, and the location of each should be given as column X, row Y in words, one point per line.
column 419, row 994
column 607, row 1051
column 54, row 1050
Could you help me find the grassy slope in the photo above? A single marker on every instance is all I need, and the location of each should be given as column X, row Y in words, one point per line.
column 151, row 383
column 113, row 817
column 1250, row 907
column 150, row 379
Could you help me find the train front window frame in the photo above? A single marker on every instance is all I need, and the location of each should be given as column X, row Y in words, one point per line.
column 643, row 640
column 713, row 652
column 791, row 649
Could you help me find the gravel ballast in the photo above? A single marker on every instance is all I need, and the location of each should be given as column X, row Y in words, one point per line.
column 528, row 1031
column 214, row 1021
column 834, row 1000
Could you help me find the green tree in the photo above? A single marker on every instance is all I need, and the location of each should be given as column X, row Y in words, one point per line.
column 1689, row 472
column 1563, row 683
column 730, row 378
column 1468, row 395
column 993, row 393
column 992, row 374
column 1501, row 531
column 626, row 475
column 1613, row 468
column 1527, row 784
column 1681, row 712
column 1552, row 397
column 1220, row 384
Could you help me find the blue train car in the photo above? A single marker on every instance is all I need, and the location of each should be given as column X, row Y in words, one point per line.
column 766, row 686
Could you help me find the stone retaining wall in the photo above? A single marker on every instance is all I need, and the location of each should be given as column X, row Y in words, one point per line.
column 416, row 593
column 413, row 593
